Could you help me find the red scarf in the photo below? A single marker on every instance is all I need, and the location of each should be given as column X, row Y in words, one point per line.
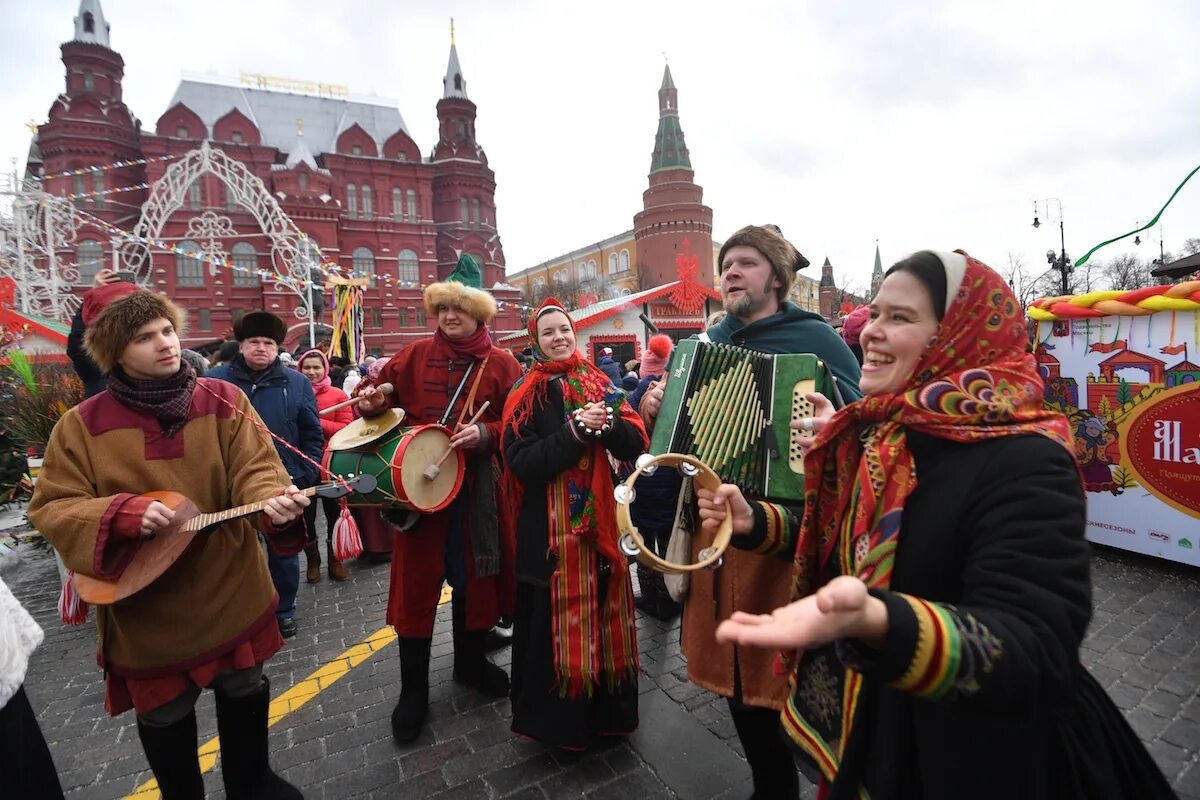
column 591, row 642
column 478, row 345
column 974, row 382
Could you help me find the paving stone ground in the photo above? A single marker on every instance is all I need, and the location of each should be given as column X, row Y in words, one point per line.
column 1143, row 646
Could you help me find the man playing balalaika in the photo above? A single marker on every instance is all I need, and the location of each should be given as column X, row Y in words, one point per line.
column 757, row 272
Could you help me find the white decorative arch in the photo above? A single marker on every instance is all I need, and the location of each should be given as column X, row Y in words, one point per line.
column 293, row 255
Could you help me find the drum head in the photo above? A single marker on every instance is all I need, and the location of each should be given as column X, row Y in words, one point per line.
column 425, row 447
column 365, row 430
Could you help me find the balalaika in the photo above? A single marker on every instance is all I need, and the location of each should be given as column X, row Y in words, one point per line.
column 732, row 409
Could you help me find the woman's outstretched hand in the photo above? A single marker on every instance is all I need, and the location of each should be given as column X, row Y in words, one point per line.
column 841, row 609
column 712, row 508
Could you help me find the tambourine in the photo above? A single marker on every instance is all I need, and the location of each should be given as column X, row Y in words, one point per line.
column 633, row 544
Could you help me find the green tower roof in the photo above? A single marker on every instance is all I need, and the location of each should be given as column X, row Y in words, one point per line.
column 670, row 150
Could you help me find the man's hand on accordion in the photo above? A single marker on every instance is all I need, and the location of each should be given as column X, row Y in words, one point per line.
column 652, row 401
column 712, row 508
column 810, row 426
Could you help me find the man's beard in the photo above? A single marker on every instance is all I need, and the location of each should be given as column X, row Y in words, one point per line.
column 740, row 307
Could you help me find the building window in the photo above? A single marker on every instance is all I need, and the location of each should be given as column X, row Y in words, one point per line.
column 624, row 261
column 402, row 156
column 410, row 268
column 356, row 150
column 367, row 203
column 463, row 210
column 612, row 263
column 412, row 205
column 560, row 276
column 376, row 317
column 352, row 200
column 397, row 204
column 231, row 203
column 189, row 270
column 236, row 314
column 302, row 181
column 204, row 319
column 79, row 190
column 89, row 81
column 364, row 264
column 475, row 212
column 89, row 22
column 245, row 263
column 404, row 318
column 194, row 196
column 236, row 137
column 420, row 317
column 89, row 258
column 181, row 132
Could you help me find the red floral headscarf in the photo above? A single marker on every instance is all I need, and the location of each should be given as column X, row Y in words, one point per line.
column 974, row 382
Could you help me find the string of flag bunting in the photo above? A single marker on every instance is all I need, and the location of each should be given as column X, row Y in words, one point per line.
column 70, row 173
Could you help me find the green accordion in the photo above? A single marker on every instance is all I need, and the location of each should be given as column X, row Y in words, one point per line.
column 732, row 409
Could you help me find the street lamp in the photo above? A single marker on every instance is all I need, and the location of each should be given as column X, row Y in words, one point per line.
column 1060, row 261
column 1162, row 258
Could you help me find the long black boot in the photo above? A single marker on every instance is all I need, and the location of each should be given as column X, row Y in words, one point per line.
column 245, row 767
column 471, row 666
column 408, row 718
column 771, row 764
column 171, row 751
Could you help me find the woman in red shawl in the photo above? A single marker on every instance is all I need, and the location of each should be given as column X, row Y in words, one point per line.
column 941, row 570
column 315, row 367
column 574, row 660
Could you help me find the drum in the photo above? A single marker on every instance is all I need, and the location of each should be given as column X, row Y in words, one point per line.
column 398, row 459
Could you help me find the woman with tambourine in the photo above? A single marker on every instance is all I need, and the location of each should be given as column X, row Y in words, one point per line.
column 574, row 659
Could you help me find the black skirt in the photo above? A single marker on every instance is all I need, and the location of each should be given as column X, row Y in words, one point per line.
column 539, row 711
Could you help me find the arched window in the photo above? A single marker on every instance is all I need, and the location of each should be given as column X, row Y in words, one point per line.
column 364, row 264
column 624, row 261
column 89, row 81
column 89, row 22
column 194, row 196
column 463, row 210
column 367, row 205
column 412, row 205
column 474, row 212
column 410, row 268
column 397, row 204
column 612, row 263
column 245, row 262
column 302, row 181
column 352, row 200
column 89, row 258
column 189, row 270
column 79, row 191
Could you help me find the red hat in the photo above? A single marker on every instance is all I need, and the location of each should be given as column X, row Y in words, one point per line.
column 852, row 326
column 658, row 352
column 98, row 299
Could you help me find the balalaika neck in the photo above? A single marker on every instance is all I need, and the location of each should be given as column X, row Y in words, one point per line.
column 202, row 521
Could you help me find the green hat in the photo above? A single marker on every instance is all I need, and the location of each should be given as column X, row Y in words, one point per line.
column 463, row 288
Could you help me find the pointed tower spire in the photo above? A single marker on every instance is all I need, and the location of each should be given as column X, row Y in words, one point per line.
column 827, row 275
column 454, row 84
column 877, row 273
column 90, row 26
column 670, row 150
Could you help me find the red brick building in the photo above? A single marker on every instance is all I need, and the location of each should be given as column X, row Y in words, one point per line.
column 344, row 169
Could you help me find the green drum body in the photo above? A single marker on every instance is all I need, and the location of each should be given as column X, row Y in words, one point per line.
column 398, row 459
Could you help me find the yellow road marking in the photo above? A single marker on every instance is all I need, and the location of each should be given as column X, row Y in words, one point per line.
column 325, row 676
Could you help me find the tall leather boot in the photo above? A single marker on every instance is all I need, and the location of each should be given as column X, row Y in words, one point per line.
column 408, row 718
column 313, row 553
column 245, row 767
column 171, row 751
column 337, row 570
column 471, row 666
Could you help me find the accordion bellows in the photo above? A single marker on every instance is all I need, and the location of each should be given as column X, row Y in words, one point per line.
column 732, row 408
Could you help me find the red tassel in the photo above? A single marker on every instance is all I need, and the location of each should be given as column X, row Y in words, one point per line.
column 347, row 543
column 71, row 608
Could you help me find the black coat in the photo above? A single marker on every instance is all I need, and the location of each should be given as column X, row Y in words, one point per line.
column 995, row 532
column 536, row 454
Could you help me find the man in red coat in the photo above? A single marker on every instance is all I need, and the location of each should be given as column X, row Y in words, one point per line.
column 470, row 544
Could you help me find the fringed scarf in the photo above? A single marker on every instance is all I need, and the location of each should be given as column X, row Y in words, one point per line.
column 592, row 641
column 166, row 400
column 974, row 382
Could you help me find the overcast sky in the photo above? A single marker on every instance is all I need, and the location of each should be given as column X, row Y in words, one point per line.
column 918, row 124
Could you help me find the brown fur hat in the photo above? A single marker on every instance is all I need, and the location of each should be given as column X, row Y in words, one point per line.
column 476, row 302
column 776, row 249
column 113, row 328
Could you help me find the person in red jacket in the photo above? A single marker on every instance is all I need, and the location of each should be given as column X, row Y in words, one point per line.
column 315, row 367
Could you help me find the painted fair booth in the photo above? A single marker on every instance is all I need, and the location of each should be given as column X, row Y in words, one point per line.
column 1122, row 367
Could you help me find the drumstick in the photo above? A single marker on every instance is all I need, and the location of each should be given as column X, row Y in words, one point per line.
column 384, row 388
column 434, row 469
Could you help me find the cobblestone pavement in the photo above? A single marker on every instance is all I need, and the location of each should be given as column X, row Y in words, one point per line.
column 1142, row 646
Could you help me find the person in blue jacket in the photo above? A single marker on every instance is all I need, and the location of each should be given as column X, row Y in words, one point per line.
column 284, row 399
column 609, row 367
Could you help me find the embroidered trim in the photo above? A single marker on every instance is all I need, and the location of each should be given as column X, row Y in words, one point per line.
column 953, row 650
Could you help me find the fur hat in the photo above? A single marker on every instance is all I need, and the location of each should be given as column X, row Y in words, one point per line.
column 260, row 323
column 776, row 249
column 658, row 352
column 114, row 325
column 462, row 289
